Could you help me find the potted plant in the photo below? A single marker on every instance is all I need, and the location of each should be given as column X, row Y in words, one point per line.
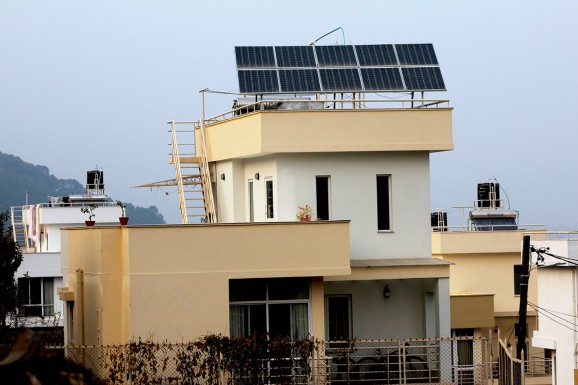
column 90, row 211
column 305, row 213
column 123, row 219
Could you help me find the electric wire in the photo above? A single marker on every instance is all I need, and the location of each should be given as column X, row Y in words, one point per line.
column 545, row 314
column 552, row 311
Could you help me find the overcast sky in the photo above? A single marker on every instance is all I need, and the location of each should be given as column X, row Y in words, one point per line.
column 93, row 83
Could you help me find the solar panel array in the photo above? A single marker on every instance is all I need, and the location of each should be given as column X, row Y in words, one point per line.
column 339, row 68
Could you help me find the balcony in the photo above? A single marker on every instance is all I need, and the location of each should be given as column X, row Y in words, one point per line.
column 266, row 127
column 239, row 250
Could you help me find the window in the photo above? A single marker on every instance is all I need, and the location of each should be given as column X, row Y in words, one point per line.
column 278, row 306
column 339, row 317
column 517, row 274
column 322, row 190
column 383, row 203
column 36, row 296
column 251, row 203
column 269, row 193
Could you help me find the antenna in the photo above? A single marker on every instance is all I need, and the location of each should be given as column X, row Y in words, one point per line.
column 329, row 33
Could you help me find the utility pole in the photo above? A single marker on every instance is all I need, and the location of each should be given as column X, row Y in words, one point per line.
column 523, row 297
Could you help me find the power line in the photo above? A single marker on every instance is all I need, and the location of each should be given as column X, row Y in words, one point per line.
column 552, row 311
column 544, row 251
column 553, row 320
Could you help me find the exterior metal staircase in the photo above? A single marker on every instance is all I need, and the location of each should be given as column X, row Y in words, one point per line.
column 192, row 175
column 19, row 228
column 193, row 178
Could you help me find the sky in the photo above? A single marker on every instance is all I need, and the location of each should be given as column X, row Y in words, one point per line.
column 87, row 84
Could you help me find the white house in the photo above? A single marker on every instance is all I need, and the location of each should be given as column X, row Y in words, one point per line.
column 36, row 228
column 558, row 303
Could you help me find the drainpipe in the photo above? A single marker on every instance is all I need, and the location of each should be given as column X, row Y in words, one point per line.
column 80, row 285
column 574, row 294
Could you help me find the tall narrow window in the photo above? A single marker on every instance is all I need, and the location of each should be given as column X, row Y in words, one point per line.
column 517, row 277
column 383, row 203
column 251, row 203
column 322, row 190
column 269, row 191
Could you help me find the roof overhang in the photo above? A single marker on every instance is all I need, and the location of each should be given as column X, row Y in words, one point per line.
column 396, row 268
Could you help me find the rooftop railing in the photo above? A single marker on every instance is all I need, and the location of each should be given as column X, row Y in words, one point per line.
column 326, row 105
column 557, row 235
column 538, row 228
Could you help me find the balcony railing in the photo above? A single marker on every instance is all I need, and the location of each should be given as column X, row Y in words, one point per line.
column 471, row 228
column 325, row 105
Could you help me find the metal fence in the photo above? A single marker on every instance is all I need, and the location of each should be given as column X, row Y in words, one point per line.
column 511, row 370
column 425, row 361
column 464, row 361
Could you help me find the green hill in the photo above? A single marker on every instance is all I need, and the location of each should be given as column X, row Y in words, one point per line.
column 17, row 177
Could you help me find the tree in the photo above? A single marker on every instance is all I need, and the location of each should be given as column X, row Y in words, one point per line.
column 10, row 260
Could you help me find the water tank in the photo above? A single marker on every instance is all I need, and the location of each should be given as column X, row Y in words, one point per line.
column 95, row 180
column 439, row 221
column 488, row 195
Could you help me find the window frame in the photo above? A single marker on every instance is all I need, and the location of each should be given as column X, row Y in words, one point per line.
column 25, row 298
column 384, row 203
column 349, row 316
column 269, row 198
column 268, row 303
column 517, row 279
column 325, row 198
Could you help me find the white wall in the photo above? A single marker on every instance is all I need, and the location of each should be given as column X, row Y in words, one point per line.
column 375, row 317
column 353, row 196
column 557, row 295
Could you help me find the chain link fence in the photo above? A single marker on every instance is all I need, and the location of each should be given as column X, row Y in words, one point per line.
column 464, row 361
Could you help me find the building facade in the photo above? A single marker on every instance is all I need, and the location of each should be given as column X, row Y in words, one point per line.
column 361, row 268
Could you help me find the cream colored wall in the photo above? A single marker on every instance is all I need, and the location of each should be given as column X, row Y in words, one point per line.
column 330, row 131
column 472, row 311
column 490, row 274
column 484, row 263
column 171, row 282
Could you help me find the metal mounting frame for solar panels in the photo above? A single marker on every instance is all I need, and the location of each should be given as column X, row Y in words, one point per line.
column 369, row 68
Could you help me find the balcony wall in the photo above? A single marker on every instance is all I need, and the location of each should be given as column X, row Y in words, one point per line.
column 472, row 311
column 172, row 281
column 266, row 132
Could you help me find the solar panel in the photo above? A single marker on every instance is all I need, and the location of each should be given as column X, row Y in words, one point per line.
column 382, row 79
column 255, row 57
column 295, row 56
column 346, row 79
column 258, row 81
column 306, row 80
column 338, row 68
column 335, row 55
column 376, row 55
column 416, row 54
column 423, row 78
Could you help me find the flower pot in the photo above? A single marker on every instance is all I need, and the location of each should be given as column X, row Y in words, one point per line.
column 123, row 221
column 89, row 223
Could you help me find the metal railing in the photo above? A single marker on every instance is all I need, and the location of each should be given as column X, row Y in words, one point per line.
column 464, row 361
column 327, row 105
column 557, row 235
column 472, row 228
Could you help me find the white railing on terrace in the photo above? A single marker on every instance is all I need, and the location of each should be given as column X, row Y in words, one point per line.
column 326, row 105
column 69, row 204
column 539, row 229
column 558, row 235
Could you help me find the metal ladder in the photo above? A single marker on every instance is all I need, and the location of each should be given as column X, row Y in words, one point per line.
column 192, row 174
column 19, row 228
